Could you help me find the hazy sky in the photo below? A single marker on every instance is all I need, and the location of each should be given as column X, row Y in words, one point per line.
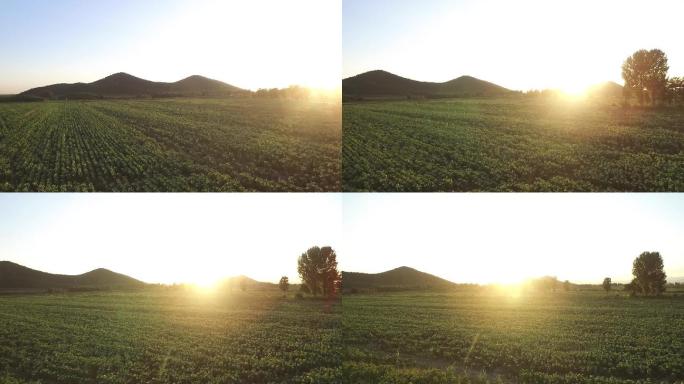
column 521, row 44
column 462, row 237
column 247, row 43
column 507, row 237
column 168, row 237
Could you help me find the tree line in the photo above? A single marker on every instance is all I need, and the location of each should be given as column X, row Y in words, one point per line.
column 649, row 278
column 292, row 92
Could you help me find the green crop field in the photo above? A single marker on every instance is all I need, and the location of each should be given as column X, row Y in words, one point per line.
column 170, row 145
column 510, row 145
column 565, row 337
column 167, row 336
column 174, row 336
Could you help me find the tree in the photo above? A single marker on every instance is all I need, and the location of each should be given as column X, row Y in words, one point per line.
column 649, row 276
column 645, row 75
column 331, row 276
column 317, row 268
column 631, row 288
column 675, row 90
column 284, row 284
column 607, row 284
column 566, row 285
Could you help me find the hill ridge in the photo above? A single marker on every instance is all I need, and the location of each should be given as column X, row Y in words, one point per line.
column 122, row 84
column 402, row 277
column 17, row 276
column 380, row 83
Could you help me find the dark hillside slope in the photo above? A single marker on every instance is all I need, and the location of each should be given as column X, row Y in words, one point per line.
column 15, row 276
column 608, row 89
column 381, row 83
column 399, row 278
column 121, row 85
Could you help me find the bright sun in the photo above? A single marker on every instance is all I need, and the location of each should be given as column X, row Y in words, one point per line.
column 575, row 91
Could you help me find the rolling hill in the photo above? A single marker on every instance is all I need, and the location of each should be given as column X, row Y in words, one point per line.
column 122, row 85
column 15, row 276
column 238, row 281
column 380, row 84
column 402, row 278
column 608, row 89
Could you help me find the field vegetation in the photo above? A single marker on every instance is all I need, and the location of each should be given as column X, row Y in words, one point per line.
column 511, row 144
column 486, row 336
column 166, row 335
column 203, row 144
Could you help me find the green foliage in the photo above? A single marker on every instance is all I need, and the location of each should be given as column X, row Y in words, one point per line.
column 510, row 144
column 170, row 145
column 645, row 75
column 649, row 274
column 317, row 267
column 284, row 284
column 167, row 336
column 607, row 284
column 675, row 90
column 464, row 337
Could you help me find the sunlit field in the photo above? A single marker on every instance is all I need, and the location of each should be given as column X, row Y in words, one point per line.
column 170, row 145
column 168, row 336
column 514, row 144
column 561, row 337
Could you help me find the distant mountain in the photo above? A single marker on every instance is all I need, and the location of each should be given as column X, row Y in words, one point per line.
column 15, row 276
column 384, row 84
column 399, row 278
column 120, row 85
column 238, row 282
column 608, row 89
column 198, row 84
column 242, row 279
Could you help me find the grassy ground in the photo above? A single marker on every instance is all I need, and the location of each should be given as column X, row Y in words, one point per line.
column 510, row 145
column 170, row 145
column 566, row 337
column 168, row 337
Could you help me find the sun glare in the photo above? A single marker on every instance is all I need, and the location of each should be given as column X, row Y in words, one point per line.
column 574, row 92
column 205, row 287
column 302, row 51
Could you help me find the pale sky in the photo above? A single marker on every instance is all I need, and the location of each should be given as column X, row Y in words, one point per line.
column 481, row 238
column 507, row 237
column 247, row 43
column 166, row 238
column 522, row 44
